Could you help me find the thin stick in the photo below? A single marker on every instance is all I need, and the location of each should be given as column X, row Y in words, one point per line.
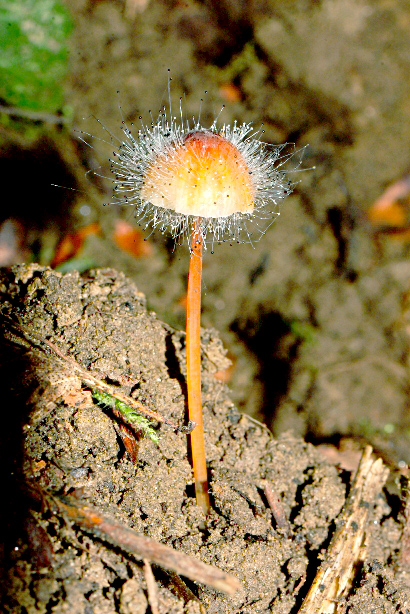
column 35, row 116
column 93, row 382
column 348, row 547
column 276, row 507
column 404, row 555
column 177, row 586
column 193, row 356
column 94, row 521
column 151, row 587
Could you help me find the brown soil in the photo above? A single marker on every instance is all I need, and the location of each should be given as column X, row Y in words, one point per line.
column 72, row 446
column 314, row 316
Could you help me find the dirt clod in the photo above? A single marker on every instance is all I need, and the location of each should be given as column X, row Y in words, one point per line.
column 100, row 321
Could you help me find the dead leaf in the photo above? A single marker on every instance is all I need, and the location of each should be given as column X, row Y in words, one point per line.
column 79, row 398
column 131, row 240
column 230, row 93
column 392, row 208
column 225, row 375
column 37, row 467
column 182, row 302
column 71, row 244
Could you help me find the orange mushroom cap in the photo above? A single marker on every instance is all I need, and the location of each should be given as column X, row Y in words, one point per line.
column 205, row 175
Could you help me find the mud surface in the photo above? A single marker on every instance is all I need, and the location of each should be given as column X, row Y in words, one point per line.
column 315, row 316
column 71, row 445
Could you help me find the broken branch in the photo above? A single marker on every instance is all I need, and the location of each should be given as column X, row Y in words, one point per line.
column 91, row 519
column 348, row 546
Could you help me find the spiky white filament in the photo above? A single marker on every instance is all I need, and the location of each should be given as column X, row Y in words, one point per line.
column 264, row 163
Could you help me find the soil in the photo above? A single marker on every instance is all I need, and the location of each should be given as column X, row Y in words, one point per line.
column 71, row 445
column 314, row 316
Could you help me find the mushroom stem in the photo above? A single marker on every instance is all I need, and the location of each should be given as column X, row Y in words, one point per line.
column 193, row 354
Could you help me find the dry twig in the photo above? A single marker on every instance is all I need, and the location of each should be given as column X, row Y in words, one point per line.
column 276, row 507
column 34, row 116
column 180, row 589
column 151, row 587
column 89, row 380
column 93, row 382
column 349, row 544
column 404, row 556
column 91, row 519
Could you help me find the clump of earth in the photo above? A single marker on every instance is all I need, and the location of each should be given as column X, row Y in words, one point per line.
column 315, row 315
column 58, row 442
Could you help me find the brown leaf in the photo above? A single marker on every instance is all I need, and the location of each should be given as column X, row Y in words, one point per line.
column 131, row 240
column 391, row 209
column 79, row 398
column 71, row 244
column 230, row 93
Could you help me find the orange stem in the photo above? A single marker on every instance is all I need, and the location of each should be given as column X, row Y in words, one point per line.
column 193, row 353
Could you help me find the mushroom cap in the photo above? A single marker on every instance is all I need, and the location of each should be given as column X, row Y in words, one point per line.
column 204, row 175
